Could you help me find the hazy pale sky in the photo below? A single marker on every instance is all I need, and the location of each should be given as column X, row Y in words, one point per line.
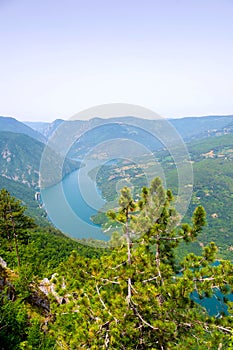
column 59, row 57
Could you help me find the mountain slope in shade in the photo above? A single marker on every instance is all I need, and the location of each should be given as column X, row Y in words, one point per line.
column 20, row 157
column 27, row 196
column 13, row 125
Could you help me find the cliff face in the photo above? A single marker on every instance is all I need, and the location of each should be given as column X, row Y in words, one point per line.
column 5, row 284
column 3, row 264
column 36, row 296
column 47, row 287
column 20, row 158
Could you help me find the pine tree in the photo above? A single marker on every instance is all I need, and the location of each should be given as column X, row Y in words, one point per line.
column 134, row 298
column 13, row 221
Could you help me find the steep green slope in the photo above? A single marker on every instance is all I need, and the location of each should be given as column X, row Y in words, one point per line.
column 27, row 196
column 133, row 296
column 47, row 247
column 20, row 158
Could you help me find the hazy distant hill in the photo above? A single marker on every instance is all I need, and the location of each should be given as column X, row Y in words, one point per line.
column 200, row 127
column 142, row 131
column 212, row 159
column 13, row 125
column 38, row 126
column 101, row 130
column 44, row 128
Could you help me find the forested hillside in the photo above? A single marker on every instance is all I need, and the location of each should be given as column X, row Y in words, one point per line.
column 212, row 159
column 212, row 162
column 20, row 157
column 58, row 294
column 15, row 126
column 148, row 286
column 27, row 195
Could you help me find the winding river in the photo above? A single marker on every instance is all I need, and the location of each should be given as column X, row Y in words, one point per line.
column 71, row 203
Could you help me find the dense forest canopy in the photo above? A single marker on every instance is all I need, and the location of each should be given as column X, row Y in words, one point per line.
column 137, row 294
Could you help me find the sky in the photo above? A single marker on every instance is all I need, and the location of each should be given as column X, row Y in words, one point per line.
column 59, row 57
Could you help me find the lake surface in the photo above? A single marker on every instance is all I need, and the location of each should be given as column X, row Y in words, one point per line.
column 72, row 202
column 215, row 305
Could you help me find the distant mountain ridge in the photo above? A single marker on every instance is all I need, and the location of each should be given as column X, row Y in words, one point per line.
column 45, row 128
column 194, row 128
column 94, row 132
column 19, row 152
column 13, row 125
column 208, row 139
column 190, row 128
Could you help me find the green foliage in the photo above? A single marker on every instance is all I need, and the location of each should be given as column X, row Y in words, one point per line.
column 27, row 196
column 13, row 222
column 46, row 249
column 13, row 321
column 18, row 329
column 39, row 252
column 12, row 217
column 135, row 296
